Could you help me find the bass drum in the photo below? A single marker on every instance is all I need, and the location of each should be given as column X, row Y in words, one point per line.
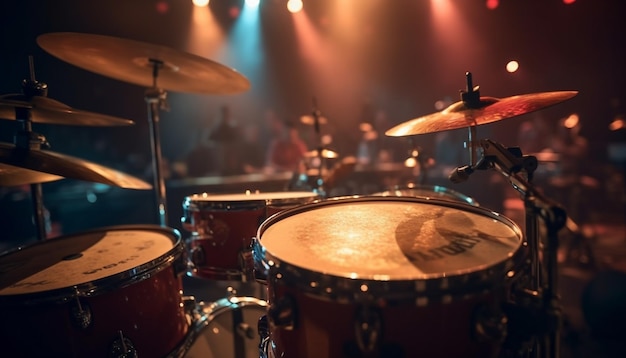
column 228, row 329
column 104, row 293
column 429, row 191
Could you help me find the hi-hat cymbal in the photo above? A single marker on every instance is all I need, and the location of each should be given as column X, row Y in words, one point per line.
column 491, row 109
column 14, row 176
column 63, row 165
column 133, row 61
column 325, row 153
column 49, row 111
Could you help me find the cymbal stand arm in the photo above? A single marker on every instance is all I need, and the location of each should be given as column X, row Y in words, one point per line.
column 156, row 100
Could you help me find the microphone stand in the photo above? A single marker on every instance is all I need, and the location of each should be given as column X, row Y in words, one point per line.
column 543, row 291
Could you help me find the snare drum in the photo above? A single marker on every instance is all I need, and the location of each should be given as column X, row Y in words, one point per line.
column 387, row 277
column 104, row 293
column 228, row 329
column 429, row 191
column 222, row 227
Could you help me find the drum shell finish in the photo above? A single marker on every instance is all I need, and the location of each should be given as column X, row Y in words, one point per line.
column 146, row 307
column 430, row 317
column 222, row 229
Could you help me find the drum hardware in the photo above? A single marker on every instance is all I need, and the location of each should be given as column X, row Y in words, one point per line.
column 80, row 313
column 122, row 347
column 367, row 329
column 519, row 169
column 153, row 66
column 283, row 312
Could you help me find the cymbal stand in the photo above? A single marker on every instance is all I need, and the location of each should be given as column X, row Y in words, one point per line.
column 542, row 292
column 319, row 181
column 156, row 100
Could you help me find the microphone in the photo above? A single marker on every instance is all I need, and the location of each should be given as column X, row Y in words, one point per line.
column 461, row 174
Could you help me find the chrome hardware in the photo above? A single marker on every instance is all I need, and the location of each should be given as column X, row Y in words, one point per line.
column 367, row 329
column 264, row 335
column 197, row 256
column 122, row 347
column 80, row 314
column 282, row 313
column 490, row 323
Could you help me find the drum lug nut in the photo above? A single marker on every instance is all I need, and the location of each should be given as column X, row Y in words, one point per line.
column 367, row 329
column 490, row 323
column 122, row 347
column 80, row 314
column 282, row 313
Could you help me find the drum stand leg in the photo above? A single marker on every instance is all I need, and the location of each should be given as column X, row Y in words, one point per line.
column 541, row 297
column 155, row 98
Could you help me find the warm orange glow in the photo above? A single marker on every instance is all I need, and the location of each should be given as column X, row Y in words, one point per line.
column 294, row 6
column 200, row 3
column 571, row 121
column 617, row 124
column 205, row 34
column 512, row 66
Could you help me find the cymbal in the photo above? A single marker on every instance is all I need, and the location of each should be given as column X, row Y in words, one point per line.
column 491, row 109
column 49, row 111
column 63, row 165
column 326, row 153
column 310, row 120
column 133, row 61
column 14, row 176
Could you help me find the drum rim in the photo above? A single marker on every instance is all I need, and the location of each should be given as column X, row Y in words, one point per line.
column 192, row 204
column 435, row 286
column 435, row 188
column 109, row 283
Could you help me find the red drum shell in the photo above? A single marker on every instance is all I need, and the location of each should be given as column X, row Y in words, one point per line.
column 144, row 303
column 423, row 308
column 223, row 225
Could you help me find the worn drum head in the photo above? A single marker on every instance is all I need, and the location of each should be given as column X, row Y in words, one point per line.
column 383, row 239
column 85, row 261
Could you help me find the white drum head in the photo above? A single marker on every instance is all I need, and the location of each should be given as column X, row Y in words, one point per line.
column 390, row 238
column 80, row 259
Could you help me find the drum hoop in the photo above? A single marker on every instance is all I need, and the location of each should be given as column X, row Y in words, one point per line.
column 432, row 287
column 192, row 205
column 109, row 283
column 435, row 189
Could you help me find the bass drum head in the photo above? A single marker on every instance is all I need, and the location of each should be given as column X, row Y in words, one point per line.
column 231, row 329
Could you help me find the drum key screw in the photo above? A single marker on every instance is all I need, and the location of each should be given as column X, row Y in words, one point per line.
column 367, row 328
column 282, row 313
column 80, row 314
column 122, row 347
column 490, row 323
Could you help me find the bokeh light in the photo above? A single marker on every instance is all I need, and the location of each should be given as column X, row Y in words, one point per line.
column 512, row 66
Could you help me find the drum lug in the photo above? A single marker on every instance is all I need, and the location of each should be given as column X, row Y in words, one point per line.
column 367, row 328
column 264, row 335
column 197, row 256
column 80, row 314
column 282, row 313
column 246, row 261
column 122, row 347
column 490, row 323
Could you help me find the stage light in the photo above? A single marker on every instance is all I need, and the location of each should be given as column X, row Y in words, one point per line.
column 294, row 6
column 200, row 3
column 512, row 66
column 253, row 3
column 492, row 4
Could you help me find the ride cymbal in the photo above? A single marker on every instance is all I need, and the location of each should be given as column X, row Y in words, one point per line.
column 134, row 62
column 63, row 165
column 15, row 176
column 491, row 109
column 49, row 111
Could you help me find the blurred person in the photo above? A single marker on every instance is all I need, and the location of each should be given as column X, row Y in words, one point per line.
column 287, row 151
column 227, row 139
column 252, row 150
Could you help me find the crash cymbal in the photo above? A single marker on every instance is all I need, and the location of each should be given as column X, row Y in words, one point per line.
column 326, row 153
column 63, row 165
column 133, row 61
column 14, row 176
column 491, row 109
column 310, row 120
column 49, row 111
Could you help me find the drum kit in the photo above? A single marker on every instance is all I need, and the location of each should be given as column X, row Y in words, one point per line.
column 412, row 271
